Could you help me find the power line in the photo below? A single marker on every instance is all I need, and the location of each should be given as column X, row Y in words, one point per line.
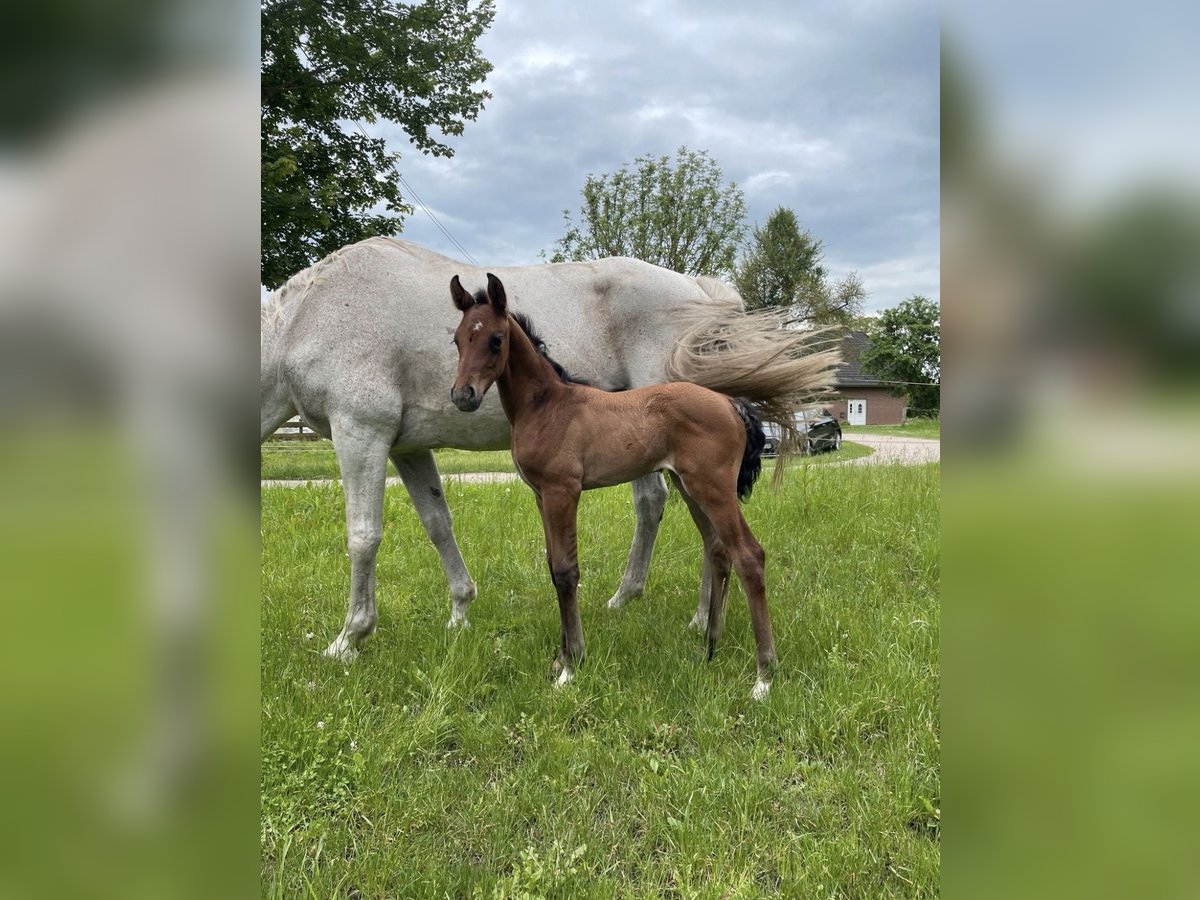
column 875, row 381
column 442, row 228
column 429, row 212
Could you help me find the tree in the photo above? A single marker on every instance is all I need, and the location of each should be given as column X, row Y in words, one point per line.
column 329, row 63
column 782, row 269
column 781, row 257
column 682, row 216
column 905, row 346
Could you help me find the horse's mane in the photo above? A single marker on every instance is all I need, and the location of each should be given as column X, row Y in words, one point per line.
column 527, row 326
column 276, row 309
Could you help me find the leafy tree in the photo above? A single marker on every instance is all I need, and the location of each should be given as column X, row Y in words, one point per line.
column 782, row 268
column 905, row 346
column 328, row 62
column 781, row 257
column 831, row 303
column 681, row 216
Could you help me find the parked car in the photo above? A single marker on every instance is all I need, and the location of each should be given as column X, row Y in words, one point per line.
column 822, row 431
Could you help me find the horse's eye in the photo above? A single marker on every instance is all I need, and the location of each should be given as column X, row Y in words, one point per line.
column 494, row 343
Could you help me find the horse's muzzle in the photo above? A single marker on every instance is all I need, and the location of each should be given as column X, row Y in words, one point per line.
column 467, row 399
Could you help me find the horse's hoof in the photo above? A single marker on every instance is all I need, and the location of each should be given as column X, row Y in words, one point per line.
column 564, row 677
column 457, row 622
column 616, row 601
column 698, row 623
column 341, row 650
column 761, row 689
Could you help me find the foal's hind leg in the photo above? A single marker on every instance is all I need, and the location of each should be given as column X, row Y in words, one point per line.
column 649, row 499
column 714, row 575
column 420, row 475
column 362, row 454
column 749, row 561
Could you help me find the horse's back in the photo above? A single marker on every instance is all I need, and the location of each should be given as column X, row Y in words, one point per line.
column 371, row 333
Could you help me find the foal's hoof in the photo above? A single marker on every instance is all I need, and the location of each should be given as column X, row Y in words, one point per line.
column 341, row 650
column 617, row 600
column 561, row 672
column 699, row 622
column 761, row 689
column 457, row 622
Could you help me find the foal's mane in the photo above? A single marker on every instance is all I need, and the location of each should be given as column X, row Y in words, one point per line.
column 527, row 326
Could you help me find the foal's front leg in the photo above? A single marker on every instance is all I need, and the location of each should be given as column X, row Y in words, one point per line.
column 559, row 506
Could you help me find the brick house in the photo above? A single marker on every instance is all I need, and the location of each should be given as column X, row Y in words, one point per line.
column 860, row 399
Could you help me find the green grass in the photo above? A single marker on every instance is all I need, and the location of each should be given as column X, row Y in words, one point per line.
column 923, row 428
column 446, row 764
column 301, row 460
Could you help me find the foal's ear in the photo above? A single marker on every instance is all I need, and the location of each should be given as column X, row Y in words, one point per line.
column 496, row 293
column 459, row 297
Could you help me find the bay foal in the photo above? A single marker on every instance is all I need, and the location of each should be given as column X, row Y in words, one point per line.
column 568, row 437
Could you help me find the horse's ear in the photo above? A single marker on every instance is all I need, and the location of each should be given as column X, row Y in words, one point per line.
column 496, row 293
column 459, row 297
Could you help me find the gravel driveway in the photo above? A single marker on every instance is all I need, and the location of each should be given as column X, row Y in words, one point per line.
column 896, row 448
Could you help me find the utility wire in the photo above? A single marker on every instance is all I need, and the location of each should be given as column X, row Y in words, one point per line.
column 442, row 228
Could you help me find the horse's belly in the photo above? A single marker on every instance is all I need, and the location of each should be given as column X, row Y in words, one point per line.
column 485, row 429
column 610, row 473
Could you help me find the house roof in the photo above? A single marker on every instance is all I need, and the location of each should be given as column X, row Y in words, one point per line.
column 849, row 373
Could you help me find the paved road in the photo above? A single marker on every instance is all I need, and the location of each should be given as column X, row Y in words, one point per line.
column 887, row 447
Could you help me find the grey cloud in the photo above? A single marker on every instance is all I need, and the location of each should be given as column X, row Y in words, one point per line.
column 830, row 110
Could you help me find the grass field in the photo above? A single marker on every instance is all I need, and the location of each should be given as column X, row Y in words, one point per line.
column 300, row 460
column 922, row 428
column 446, row 764
column 315, row 459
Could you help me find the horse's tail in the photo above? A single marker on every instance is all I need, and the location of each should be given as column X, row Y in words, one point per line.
column 759, row 356
column 756, row 439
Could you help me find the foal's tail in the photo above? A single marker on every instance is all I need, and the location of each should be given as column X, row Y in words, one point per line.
column 756, row 439
column 760, row 356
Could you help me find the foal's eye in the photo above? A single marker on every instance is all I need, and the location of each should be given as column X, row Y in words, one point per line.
column 494, row 342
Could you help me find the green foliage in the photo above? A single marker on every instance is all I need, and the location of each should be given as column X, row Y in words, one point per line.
column 539, row 874
column 681, row 216
column 781, row 258
column 782, row 269
column 326, row 62
column 1131, row 277
column 315, row 776
column 653, row 774
column 906, row 346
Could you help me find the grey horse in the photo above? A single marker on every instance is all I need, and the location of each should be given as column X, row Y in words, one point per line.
column 359, row 345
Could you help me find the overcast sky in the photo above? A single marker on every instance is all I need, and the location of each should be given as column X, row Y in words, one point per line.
column 830, row 109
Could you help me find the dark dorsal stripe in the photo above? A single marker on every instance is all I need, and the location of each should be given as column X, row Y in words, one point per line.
column 527, row 326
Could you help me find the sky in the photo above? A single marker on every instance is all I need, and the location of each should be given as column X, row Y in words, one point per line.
column 830, row 109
